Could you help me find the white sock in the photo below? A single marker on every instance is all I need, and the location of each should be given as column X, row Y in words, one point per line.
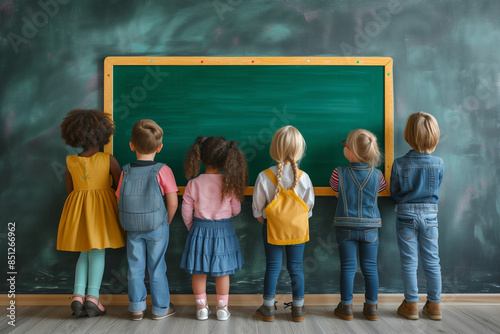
column 268, row 302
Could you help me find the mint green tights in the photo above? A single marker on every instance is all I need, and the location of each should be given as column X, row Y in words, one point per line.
column 91, row 265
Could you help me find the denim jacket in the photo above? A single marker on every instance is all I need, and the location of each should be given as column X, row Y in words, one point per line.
column 141, row 204
column 416, row 177
column 358, row 192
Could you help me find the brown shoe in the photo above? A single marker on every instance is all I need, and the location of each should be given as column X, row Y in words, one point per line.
column 298, row 312
column 370, row 311
column 266, row 312
column 136, row 316
column 408, row 310
column 344, row 311
column 433, row 310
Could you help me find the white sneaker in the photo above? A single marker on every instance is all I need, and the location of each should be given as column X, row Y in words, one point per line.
column 222, row 312
column 204, row 312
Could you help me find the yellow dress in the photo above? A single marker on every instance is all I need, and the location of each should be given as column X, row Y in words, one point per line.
column 90, row 216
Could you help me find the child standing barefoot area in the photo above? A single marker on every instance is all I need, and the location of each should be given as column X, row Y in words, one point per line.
column 89, row 221
column 147, row 202
column 415, row 180
column 208, row 203
column 287, row 148
column 357, row 219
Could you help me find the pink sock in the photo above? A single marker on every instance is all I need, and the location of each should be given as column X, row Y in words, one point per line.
column 201, row 300
column 224, row 299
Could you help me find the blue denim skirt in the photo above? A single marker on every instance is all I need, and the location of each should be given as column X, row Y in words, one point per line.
column 212, row 248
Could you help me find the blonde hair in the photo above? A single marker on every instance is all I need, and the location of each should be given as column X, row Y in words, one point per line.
column 422, row 132
column 287, row 146
column 146, row 136
column 363, row 144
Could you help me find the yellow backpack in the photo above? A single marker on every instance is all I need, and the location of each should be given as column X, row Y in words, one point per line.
column 287, row 216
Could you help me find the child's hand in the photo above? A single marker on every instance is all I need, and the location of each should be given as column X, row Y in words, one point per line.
column 261, row 219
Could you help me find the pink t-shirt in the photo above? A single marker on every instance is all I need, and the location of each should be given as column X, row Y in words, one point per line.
column 166, row 180
column 202, row 197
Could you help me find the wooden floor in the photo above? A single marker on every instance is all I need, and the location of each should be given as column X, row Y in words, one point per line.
column 56, row 319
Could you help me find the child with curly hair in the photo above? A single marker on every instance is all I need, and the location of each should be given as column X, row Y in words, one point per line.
column 208, row 203
column 89, row 221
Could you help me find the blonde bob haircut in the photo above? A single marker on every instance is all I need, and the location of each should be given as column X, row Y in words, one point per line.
column 422, row 132
column 287, row 147
column 146, row 136
column 363, row 144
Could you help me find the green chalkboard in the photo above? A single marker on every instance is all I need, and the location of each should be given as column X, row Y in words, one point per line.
column 247, row 104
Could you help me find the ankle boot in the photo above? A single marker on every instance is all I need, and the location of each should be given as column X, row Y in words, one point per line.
column 344, row 311
column 408, row 310
column 433, row 310
column 370, row 311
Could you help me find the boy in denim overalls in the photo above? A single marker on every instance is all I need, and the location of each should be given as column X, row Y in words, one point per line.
column 415, row 181
column 143, row 188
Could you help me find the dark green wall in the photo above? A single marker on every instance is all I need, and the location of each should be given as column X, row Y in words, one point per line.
column 445, row 62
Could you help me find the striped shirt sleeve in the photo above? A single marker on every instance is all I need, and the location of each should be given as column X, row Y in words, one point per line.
column 382, row 183
column 334, row 180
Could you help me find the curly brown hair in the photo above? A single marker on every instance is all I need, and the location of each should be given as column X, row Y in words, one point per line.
column 218, row 152
column 87, row 128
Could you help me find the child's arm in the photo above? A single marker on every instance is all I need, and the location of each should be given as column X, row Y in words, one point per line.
column 118, row 188
column 382, row 183
column 172, row 204
column 69, row 181
column 114, row 170
column 394, row 186
column 166, row 180
column 259, row 199
column 334, row 180
column 187, row 207
column 309, row 194
column 441, row 173
column 235, row 206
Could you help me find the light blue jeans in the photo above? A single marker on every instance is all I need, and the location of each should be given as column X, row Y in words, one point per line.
column 148, row 247
column 417, row 230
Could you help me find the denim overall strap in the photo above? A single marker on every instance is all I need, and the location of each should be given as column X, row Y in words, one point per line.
column 141, row 204
column 360, row 188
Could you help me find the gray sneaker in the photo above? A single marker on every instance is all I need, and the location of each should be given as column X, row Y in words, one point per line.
column 266, row 312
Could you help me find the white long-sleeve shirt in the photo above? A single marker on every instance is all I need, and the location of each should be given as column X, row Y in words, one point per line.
column 264, row 190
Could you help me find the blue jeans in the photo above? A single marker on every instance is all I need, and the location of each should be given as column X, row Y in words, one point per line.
column 367, row 241
column 417, row 229
column 294, row 262
column 148, row 247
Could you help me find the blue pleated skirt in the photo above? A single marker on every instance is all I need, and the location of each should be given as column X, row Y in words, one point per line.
column 212, row 248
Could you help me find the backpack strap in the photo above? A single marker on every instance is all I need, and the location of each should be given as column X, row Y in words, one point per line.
column 271, row 175
column 273, row 178
column 157, row 167
column 126, row 169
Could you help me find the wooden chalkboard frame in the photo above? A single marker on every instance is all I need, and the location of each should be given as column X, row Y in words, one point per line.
column 386, row 62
